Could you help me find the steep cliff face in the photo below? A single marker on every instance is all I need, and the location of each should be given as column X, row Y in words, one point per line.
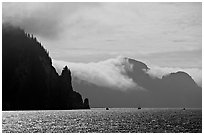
column 29, row 81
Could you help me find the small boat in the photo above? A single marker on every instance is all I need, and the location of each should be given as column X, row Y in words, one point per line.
column 107, row 108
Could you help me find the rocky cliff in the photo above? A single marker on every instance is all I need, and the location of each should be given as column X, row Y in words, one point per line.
column 29, row 81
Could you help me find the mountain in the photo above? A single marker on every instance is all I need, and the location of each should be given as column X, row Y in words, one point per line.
column 173, row 90
column 29, row 81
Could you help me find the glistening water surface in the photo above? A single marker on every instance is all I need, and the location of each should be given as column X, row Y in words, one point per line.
column 101, row 120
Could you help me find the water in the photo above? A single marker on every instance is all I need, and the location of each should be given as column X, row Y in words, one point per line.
column 101, row 120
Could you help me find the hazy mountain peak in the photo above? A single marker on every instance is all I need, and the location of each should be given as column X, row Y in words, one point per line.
column 137, row 64
column 182, row 74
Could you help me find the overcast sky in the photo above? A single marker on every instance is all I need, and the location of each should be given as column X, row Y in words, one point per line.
column 162, row 34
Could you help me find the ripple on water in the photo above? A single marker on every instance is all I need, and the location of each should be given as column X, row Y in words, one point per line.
column 99, row 120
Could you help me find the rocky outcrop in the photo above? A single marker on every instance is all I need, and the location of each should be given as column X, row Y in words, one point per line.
column 86, row 103
column 29, row 81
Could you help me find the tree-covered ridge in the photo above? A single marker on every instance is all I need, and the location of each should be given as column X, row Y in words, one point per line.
column 29, row 81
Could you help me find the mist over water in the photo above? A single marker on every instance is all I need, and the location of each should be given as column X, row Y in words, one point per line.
column 101, row 120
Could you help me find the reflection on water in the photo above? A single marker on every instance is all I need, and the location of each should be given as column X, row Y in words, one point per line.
column 101, row 120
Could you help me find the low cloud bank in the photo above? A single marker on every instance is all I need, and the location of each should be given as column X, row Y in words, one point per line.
column 110, row 73
column 195, row 73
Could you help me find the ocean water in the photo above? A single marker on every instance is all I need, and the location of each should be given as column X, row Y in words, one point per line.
column 101, row 120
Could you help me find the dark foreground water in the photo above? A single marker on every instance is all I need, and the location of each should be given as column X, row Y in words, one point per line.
column 101, row 120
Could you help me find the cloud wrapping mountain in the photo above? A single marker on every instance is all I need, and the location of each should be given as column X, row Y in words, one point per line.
column 112, row 73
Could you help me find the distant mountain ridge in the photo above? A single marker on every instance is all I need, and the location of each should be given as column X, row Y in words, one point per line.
column 29, row 81
column 140, row 70
column 172, row 90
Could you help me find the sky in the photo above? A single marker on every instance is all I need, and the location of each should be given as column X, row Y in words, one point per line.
column 166, row 36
